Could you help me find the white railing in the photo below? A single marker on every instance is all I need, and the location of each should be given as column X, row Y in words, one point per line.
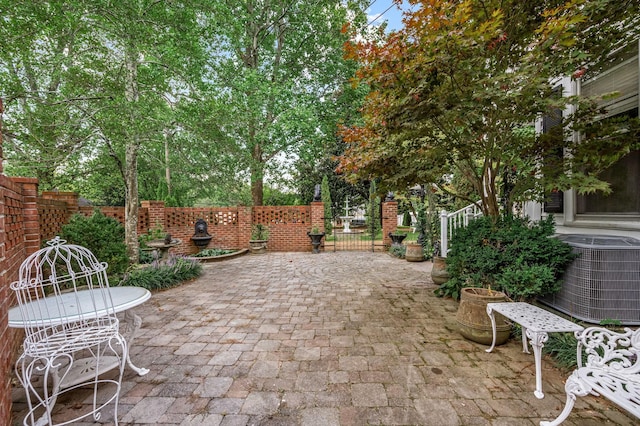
column 449, row 222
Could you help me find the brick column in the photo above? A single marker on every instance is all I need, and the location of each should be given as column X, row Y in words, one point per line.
column 6, row 337
column 156, row 214
column 244, row 226
column 389, row 220
column 30, row 213
column 317, row 215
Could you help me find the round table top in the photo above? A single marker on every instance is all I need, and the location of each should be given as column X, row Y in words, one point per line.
column 74, row 306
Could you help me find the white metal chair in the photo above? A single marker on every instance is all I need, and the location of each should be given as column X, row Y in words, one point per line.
column 71, row 330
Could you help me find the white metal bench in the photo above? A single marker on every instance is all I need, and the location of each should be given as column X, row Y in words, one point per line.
column 612, row 370
column 536, row 324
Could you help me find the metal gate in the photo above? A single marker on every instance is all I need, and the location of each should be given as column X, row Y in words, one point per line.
column 355, row 234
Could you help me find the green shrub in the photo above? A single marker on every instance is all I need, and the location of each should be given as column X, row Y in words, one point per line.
column 406, row 219
column 102, row 235
column 162, row 275
column 325, row 195
column 511, row 255
column 259, row 232
column 146, row 256
column 150, row 235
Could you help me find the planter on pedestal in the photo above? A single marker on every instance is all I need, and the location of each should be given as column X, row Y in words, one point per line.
column 396, row 239
column 258, row 246
column 259, row 238
column 316, row 241
column 474, row 323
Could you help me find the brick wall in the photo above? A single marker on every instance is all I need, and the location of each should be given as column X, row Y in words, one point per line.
column 19, row 238
column 229, row 227
column 288, row 226
column 222, row 224
column 5, row 276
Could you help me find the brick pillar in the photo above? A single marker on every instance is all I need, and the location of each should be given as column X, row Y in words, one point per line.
column 317, row 215
column 244, row 226
column 6, row 352
column 389, row 220
column 1, row 154
column 156, row 214
column 30, row 213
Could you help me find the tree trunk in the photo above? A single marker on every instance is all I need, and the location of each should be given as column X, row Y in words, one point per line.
column 131, row 202
column 131, row 159
column 167, row 172
column 257, row 174
column 257, row 192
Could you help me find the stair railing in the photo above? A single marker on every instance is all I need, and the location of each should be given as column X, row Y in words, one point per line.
column 449, row 222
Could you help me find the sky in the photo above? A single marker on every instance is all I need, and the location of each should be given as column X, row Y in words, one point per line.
column 390, row 13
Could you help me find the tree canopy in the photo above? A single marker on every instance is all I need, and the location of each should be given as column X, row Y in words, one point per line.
column 206, row 98
column 456, row 93
column 175, row 101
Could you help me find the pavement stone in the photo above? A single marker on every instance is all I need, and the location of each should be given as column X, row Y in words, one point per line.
column 346, row 338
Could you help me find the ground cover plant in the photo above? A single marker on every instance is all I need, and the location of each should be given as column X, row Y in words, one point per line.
column 162, row 275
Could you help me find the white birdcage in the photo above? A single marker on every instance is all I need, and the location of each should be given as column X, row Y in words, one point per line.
column 71, row 329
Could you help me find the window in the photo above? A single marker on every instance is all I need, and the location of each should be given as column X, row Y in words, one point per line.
column 624, row 176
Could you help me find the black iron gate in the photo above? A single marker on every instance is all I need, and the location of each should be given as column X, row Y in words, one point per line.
column 357, row 233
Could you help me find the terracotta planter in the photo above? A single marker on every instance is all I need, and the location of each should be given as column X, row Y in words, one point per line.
column 414, row 253
column 474, row 323
column 439, row 274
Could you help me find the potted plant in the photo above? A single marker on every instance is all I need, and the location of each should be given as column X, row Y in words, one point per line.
column 501, row 259
column 473, row 322
column 439, row 273
column 259, row 238
column 316, row 239
column 414, row 252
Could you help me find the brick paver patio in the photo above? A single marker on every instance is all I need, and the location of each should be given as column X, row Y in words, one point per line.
column 328, row 339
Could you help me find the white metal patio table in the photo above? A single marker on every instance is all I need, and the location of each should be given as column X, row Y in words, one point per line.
column 51, row 314
column 536, row 324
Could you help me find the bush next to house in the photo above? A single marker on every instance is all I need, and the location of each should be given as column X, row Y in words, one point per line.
column 161, row 275
column 103, row 236
column 509, row 254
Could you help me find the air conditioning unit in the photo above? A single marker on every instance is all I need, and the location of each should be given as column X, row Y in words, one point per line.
column 603, row 283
